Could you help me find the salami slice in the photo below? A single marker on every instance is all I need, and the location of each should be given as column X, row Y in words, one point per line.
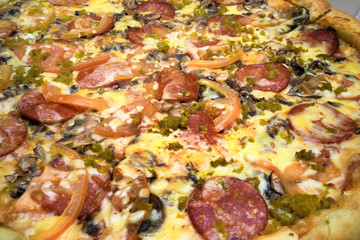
column 268, row 77
column 201, row 122
column 326, row 37
column 7, row 28
column 33, row 105
column 12, row 133
column 162, row 8
column 227, row 208
column 321, row 123
column 176, row 86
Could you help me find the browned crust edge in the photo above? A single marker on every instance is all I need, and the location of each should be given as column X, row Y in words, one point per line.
column 347, row 26
column 317, row 8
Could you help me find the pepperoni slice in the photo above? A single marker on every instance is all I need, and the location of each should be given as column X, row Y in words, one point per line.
column 33, row 105
column 269, row 77
column 7, row 28
column 208, row 42
column 326, row 37
column 227, row 208
column 67, row 3
column 162, row 8
column 352, row 174
column 104, row 75
column 89, row 21
column 98, row 188
column 321, row 123
column 223, row 24
column 176, row 86
column 136, row 35
column 49, row 55
column 229, row 2
column 12, row 132
column 201, row 122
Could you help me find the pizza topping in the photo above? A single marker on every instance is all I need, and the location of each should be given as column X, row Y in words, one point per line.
column 273, row 77
column 201, row 123
column 110, row 73
column 164, row 9
column 124, row 122
column 53, row 94
column 136, row 35
column 352, row 173
column 230, row 2
column 34, row 106
column 7, row 28
column 12, row 133
column 89, row 25
column 176, row 86
column 67, row 3
column 321, row 123
column 131, row 190
column 78, row 195
column 227, row 207
column 229, row 25
column 5, row 74
column 288, row 208
column 326, row 37
column 48, row 56
column 218, row 63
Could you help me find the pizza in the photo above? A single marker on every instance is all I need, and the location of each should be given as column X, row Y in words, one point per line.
column 170, row 119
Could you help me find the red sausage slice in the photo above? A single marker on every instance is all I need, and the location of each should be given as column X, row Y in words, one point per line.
column 176, row 86
column 7, row 28
column 226, row 208
column 268, row 77
column 201, row 122
column 136, row 35
column 229, row 2
column 104, row 75
column 166, row 11
column 217, row 24
column 321, row 123
column 67, row 3
column 33, row 105
column 326, row 37
column 13, row 132
column 98, row 188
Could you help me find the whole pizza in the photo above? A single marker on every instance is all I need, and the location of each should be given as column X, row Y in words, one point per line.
column 170, row 119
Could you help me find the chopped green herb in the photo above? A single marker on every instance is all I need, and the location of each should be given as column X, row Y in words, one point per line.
column 174, row 146
column 182, row 202
column 304, row 155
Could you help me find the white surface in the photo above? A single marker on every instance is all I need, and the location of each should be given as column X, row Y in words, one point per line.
column 350, row 6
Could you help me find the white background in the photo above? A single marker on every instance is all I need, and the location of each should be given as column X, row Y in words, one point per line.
column 350, row 6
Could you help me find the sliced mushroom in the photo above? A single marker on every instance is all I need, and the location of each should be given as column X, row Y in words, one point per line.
column 297, row 69
column 117, row 46
column 79, row 132
column 146, row 18
column 319, row 65
column 156, row 217
column 275, row 124
column 93, row 228
column 275, row 188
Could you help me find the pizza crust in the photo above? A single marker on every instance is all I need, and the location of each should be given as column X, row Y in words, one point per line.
column 347, row 26
column 330, row 224
column 317, row 8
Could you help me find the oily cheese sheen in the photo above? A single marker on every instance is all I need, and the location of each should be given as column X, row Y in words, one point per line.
column 223, row 119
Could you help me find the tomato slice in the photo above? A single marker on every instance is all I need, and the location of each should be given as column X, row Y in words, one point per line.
column 47, row 56
column 105, row 24
column 95, row 61
column 79, row 191
column 217, row 63
column 5, row 74
column 52, row 93
column 231, row 101
column 38, row 16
